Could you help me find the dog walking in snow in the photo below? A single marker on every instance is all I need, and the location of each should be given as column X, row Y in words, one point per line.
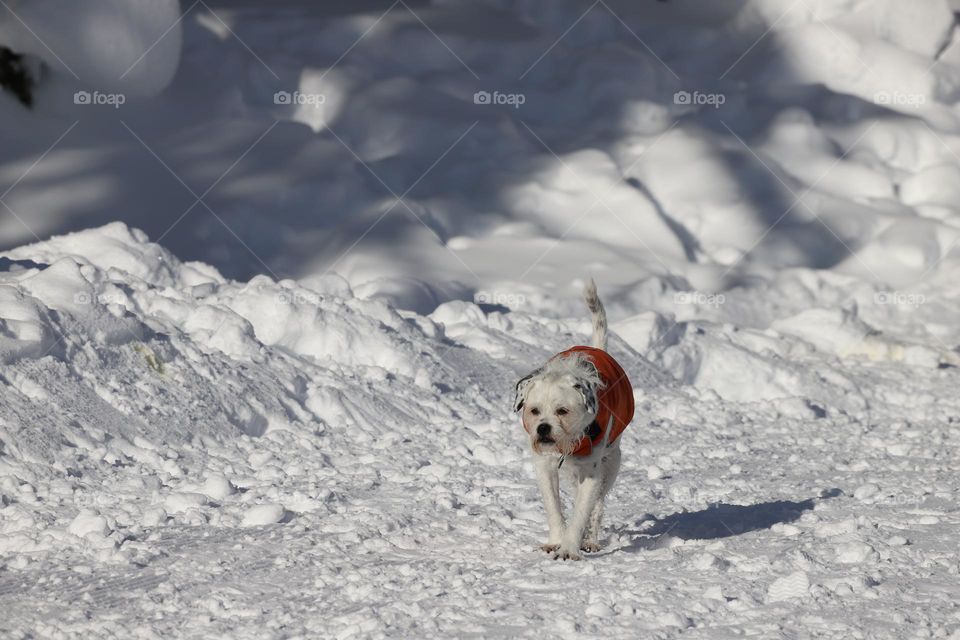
column 574, row 409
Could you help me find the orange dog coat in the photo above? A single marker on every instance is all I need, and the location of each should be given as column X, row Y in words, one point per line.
column 615, row 399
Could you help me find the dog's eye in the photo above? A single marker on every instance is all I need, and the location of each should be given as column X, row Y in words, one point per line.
column 535, row 411
column 562, row 412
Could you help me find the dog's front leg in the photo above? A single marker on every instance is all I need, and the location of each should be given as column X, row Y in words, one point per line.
column 549, row 480
column 588, row 492
column 609, row 467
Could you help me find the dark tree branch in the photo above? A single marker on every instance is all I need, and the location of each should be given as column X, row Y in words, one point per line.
column 14, row 76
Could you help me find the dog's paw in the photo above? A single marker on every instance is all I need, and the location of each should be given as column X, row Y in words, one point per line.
column 566, row 553
column 549, row 547
column 590, row 547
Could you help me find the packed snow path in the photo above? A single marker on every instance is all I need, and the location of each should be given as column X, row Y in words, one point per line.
column 180, row 454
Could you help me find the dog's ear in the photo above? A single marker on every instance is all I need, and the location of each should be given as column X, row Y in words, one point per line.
column 523, row 386
column 588, row 391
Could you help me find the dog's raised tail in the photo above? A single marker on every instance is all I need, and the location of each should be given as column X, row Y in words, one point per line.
column 598, row 315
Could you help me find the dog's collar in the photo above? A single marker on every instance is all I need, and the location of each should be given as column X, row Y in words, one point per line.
column 592, row 432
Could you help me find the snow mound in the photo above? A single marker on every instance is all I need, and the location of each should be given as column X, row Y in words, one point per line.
column 795, row 585
column 118, row 356
column 131, row 46
column 159, row 422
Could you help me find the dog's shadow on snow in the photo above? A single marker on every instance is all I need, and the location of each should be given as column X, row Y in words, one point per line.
column 715, row 522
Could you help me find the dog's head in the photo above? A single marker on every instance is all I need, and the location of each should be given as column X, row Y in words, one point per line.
column 558, row 403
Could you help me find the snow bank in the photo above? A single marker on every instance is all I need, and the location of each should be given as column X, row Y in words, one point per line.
column 155, row 413
column 128, row 46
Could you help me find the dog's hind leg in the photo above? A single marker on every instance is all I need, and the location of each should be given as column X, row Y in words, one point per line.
column 548, row 479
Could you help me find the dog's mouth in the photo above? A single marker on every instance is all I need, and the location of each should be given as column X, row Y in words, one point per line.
column 546, row 440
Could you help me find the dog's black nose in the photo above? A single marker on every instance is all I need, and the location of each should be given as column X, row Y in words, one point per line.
column 543, row 429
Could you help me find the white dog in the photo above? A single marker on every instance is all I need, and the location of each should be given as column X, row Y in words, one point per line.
column 574, row 409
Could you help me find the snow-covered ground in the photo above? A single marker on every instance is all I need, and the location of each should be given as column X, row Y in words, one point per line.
column 282, row 408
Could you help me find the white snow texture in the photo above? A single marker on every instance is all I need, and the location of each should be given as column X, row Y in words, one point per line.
column 261, row 323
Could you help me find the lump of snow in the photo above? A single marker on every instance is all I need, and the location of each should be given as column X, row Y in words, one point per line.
column 259, row 459
column 304, row 322
column 714, row 593
column 328, row 284
column 62, row 286
column 844, row 62
column 262, row 514
column 854, row 552
column 486, row 455
column 318, row 100
column 25, row 328
column 914, row 244
column 921, row 27
column 795, row 585
column 88, row 522
column 643, row 330
column 153, row 517
column 217, row 487
column 458, row 312
column 707, row 562
column 599, row 610
column 112, row 246
column 939, row 184
column 785, row 529
column 831, row 330
column 736, row 374
column 672, row 620
column 437, row 471
column 899, row 449
column 177, row 502
column 865, row 491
